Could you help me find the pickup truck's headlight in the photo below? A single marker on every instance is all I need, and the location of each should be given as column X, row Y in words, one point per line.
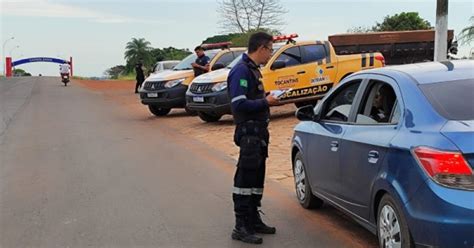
column 219, row 86
column 173, row 83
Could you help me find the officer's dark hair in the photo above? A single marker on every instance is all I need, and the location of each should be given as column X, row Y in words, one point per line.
column 257, row 40
column 198, row 48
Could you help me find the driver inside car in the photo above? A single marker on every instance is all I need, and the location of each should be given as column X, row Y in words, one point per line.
column 382, row 104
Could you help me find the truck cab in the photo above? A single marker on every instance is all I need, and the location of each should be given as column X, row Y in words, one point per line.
column 166, row 90
column 309, row 68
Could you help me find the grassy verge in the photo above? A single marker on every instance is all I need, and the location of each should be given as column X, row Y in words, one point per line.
column 79, row 77
column 130, row 76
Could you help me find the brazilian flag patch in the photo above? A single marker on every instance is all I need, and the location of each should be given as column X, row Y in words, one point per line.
column 243, row 83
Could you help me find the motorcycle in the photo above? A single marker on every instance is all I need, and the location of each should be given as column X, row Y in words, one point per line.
column 65, row 79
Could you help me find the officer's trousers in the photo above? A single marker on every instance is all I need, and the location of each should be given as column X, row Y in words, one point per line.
column 139, row 83
column 248, row 190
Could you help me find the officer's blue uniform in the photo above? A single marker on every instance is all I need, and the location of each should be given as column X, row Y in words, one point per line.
column 140, row 76
column 251, row 113
column 202, row 61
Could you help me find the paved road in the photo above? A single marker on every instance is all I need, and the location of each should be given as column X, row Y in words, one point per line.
column 76, row 170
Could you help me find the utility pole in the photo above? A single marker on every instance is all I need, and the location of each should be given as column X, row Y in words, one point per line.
column 441, row 34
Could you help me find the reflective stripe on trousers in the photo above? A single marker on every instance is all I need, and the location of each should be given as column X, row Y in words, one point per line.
column 247, row 191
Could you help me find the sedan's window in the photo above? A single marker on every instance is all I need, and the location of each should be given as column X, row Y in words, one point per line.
column 340, row 102
column 378, row 105
column 454, row 100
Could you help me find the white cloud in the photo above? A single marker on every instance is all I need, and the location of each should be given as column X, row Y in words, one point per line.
column 44, row 8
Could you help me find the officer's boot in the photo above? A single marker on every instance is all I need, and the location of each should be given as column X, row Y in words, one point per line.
column 244, row 232
column 258, row 224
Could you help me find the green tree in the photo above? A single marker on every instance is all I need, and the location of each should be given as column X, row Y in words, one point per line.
column 169, row 53
column 220, row 38
column 359, row 29
column 138, row 49
column 401, row 22
column 466, row 36
column 20, row 73
column 398, row 22
column 242, row 39
column 115, row 71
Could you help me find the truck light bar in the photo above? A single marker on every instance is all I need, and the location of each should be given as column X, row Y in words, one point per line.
column 222, row 45
column 284, row 37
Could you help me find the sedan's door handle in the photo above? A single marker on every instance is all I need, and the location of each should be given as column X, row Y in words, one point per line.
column 373, row 157
column 334, row 146
column 301, row 72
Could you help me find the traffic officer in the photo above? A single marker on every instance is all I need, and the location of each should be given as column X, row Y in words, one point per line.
column 251, row 112
column 201, row 65
column 140, row 75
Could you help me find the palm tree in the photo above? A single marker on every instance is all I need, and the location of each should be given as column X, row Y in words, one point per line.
column 138, row 49
column 467, row 34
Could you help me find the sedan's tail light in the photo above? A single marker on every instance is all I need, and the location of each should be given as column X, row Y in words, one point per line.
column 446, row 168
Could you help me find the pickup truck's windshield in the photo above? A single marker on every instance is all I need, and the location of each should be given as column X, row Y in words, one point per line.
column 237, row 59
column 185, row 64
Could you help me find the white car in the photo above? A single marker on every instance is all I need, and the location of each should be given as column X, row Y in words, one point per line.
column 164, row 65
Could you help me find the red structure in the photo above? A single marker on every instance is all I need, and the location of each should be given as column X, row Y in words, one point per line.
column 9, row 64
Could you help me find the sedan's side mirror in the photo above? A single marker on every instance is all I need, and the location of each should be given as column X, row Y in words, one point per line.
column 217, row 66
column 306, row 113
column 278, row 65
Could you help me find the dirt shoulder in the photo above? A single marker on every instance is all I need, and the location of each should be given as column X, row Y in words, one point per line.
column 218, row 135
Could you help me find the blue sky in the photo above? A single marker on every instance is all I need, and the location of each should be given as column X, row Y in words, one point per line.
column 94, row 32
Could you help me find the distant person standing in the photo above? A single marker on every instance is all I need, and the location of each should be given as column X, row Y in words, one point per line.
column 140, row 75
column 201, row 65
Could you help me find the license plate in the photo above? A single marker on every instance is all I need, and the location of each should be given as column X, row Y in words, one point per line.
column 152, row 94
column 198, row 99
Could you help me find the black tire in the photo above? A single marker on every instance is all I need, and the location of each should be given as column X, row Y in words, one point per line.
column 303, row 192
column 190, row 112
column 387, row 204
column 208, row 117
column 158, row 111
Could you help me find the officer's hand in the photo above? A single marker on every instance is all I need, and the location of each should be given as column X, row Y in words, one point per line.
column 194, row 65
column 272, row 101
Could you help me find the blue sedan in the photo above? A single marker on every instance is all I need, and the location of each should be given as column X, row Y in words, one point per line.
column 394, row 149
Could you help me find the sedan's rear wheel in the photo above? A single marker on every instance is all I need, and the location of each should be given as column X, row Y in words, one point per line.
column 303, row 190
column 392, row 229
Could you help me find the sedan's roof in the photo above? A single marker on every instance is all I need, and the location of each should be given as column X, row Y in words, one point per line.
column 432, row 72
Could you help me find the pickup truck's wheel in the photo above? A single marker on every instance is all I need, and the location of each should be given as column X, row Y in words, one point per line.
column 158, row 111
column 208, row 117
column 190, row 112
